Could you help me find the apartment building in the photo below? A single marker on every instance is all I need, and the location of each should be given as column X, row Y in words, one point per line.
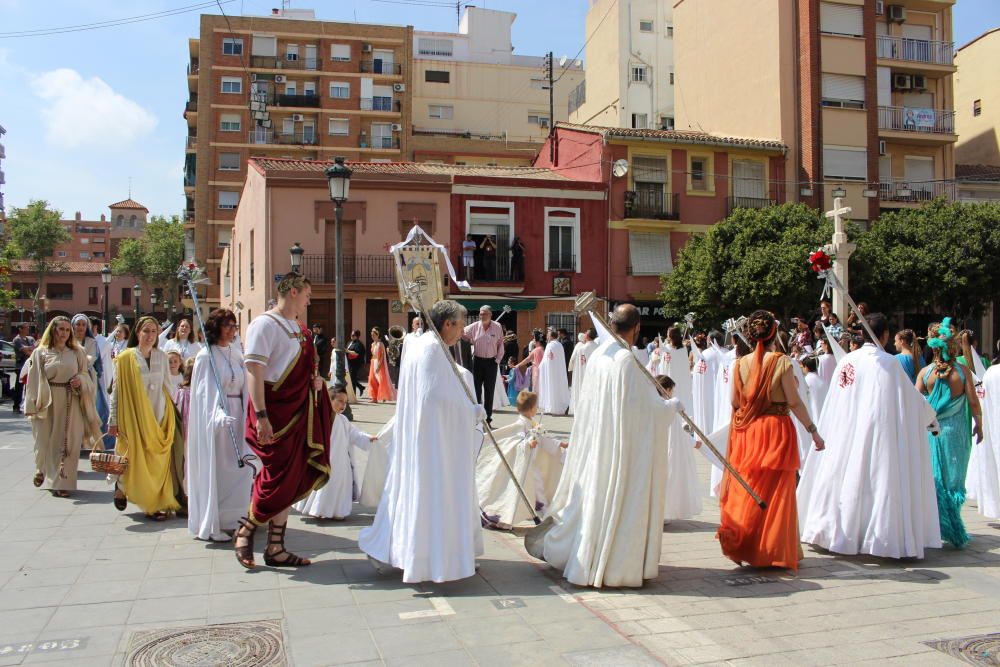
column 977, row 101
column 285, row 85
column 475, row 102
column 861, row 91
column 629, row 66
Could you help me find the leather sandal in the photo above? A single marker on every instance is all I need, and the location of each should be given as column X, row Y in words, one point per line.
column 244, row 552
column 38, row 479
column 276, row 536
column 121, row 502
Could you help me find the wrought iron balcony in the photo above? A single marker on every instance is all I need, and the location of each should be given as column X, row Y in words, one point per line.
column 263, row 136
column 915, row 50
column 282, row 62
column 915, row 193
column 652, row 204
column 749, row 202
column 358, row 269
column 191, row 104
column 911, row 119
column 559, row 262
column 380, row 67
column 380, row 104
column 310, row 100
column 193, row 68
column 379, row 142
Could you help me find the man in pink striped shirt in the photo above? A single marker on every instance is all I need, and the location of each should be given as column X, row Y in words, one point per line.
column 486, row 337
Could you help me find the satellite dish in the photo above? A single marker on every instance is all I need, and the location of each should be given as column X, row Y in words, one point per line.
column 562, row 61
column 620, row 168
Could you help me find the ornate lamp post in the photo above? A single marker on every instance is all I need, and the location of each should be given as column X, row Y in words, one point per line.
column 295, row 253
column 338, row 177
column 153, row 299
column 106, row 281
column 136, row 297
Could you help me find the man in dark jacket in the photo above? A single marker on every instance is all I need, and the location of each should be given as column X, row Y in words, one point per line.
column 323, row 350
column 567, row 344
column 356, row 360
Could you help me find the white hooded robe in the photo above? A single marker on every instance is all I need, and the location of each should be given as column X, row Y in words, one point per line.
column 333, row 500
column 578, row 365
column 706, row 366
column 553, row 383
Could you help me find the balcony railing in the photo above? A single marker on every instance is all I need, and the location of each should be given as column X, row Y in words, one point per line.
column 299, row 100
column 912, row 119
column 380, row 104
column 193, row 68
column 282, row 62
column 915, row 50
column 191, row 105
column 652, row 204
column 495, row 269
column 380, row 67
column 749, row 202
column 189, row 180
column 192, row 142
column 262, row 136
column 561, row 263
column 358, row 269
column 379, row 142
column 915, row 193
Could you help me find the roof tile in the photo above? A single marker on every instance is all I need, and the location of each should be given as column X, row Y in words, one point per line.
column 679, row 137
column 129, row 203
column 274, row 165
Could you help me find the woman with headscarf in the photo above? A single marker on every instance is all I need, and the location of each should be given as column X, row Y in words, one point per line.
column 183, row 340
column 95, row 366
column 145, row 421
column 60, row 402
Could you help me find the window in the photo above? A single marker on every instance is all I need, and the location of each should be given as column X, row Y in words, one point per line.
column 977, row 108
column 131, row 221
column 84, row 241
column 440, row 111
column 84, row 255
column 126, row 296
column 99, row 255
column 290, row 88
column 292, row 52
column 91, row 296
column 120, row 221
column 538, row 84
column 340, row 127
column 640, row 121
column 229, row 122
column 562, row 238
column 843, row 91
column 645, row 26
column 229, row 161
column 232, row 84
column 309, row 88
column 382, row 135
column 232, row 46
column 565, row 321
column 60, row 291
column 639, row 73
column 749, row 181
column 61, row 253
column 228, row 200
column 666, row 122
column 340, row 90
column 649, row 253
column 837, row 19
column 699, row 176
column 263, row 45
column 436, row 76
column 340, row 52
column 538, row 119
column 670, row 31
column 434, row 47
column 845, row 162
column 251, row 251
column 671, row 78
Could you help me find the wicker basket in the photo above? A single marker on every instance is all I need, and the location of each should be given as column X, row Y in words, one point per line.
column 108, row 462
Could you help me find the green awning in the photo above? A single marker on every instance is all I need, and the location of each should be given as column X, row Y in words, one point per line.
column 473, row 305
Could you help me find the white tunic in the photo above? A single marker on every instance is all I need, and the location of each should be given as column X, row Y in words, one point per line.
column 608, row 508
column 683, row 498
column 333, row 501
column 553, row 383
column 185, row 348
column 818, row 389
column 706, row 366
column 427, row 523
column 154, row 379
column 218, row 489
column 985, row 473
column 723, row 417
column 273, row 342
column 578, row 364
column 871, row 490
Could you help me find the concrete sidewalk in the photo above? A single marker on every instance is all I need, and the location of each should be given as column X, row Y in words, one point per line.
column 83, row 584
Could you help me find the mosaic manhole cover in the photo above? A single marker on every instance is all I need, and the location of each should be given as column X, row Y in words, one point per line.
column 251, row 644
column 978, row 650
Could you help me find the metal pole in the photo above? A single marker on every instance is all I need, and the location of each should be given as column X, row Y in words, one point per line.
column 107, row 313
column 338, row 327
column 552, row 116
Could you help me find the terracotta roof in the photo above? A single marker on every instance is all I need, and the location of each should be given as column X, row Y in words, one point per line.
column 269, row 164
column 679, row 137
column 26, row 265
column 977, row 172
column 129, row 203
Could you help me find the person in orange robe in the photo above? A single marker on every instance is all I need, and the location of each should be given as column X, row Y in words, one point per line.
column 379, row 383
column 763, row 449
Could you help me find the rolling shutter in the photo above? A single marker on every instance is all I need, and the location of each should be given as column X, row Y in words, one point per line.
column 843, row 87
column 840, row 19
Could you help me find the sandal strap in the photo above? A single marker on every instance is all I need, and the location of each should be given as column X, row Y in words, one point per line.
column 291, row 559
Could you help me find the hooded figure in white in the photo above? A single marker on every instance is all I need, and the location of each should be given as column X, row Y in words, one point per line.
column 984, row 468
column 607, row 511
column 703, row 376
column 871, row 490
column 427, row 523
column 553, row 383
column 578, row 365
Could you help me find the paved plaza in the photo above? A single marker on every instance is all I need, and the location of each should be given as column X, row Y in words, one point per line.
column 82, row 584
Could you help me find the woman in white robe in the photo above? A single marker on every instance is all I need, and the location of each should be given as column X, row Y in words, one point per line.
column 218, row 489
column 985, row 474
column 184, row 339
column 553, row 389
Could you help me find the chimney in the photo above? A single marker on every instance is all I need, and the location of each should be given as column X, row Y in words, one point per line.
column 275, row 12
column 79, row 216
column 103, row 219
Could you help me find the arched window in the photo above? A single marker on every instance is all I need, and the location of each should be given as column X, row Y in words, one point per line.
column 120, row 221
column 131, row 222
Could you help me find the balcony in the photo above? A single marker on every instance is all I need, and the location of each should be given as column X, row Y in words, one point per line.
column 192, row 105
column 192, row 143
column 380, row 67
column 934, row 124
column 749, row 202
column 380, row 104
column 358, row 269
column 914, row 193
column 380, row 142
column 915, row 50
column 264, row 136
column 282, row 62
column 652, row 205
column 193, row 68
column 309, row 100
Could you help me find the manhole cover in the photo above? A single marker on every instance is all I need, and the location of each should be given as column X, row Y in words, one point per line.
column 978, row 650
column 253, row 644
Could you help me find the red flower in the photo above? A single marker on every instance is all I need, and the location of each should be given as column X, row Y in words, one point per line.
column 819, row 261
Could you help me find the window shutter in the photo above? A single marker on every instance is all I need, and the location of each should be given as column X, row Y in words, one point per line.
column 649, row 170
column 843, row 87
column 841, row 19
column 748, row 179
column 650, row 253
column 264, row 46
column 845, row 163
column 228, row 199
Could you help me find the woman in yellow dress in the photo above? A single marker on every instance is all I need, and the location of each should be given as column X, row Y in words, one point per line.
column 144, row 420
column 61, row 405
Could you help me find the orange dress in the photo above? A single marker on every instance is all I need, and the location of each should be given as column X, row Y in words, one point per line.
column 763, row 449
column 379, row 383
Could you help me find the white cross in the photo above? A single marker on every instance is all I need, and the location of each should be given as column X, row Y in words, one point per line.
column 838, row 211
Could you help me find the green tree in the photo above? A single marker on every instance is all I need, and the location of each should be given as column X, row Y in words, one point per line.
column 6, row 294
column 755, row 258
column 35, row 231
column 944, row 256
column 156, row 257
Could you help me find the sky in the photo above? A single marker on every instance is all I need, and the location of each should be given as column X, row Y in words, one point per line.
column 90, row 113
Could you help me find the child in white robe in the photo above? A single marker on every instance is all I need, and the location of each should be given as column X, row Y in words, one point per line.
column 536, row 459
column 682, row 497
column 333, row 501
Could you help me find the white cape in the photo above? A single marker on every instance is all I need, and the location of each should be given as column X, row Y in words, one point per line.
column 984, row 475
column 608, row 508
column 703, row 373
column 553, row 384
column 805, row 439
column 677, row 365
column 723, row 417
column 578, row 364
column 218, row 489
column 972, row 477
column 371, row 467
column 333, row 500
column 427, row 523
column 818, row 389
column 871, row 490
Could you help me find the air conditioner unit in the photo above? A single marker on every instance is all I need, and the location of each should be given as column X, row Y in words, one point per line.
column 399, row 87
column 902, row 82
column 366, row 48
column 881, row 147
column 543, row 122
column 279, row 78
column 298, row 118
column 879, row 7
column 919, row 82
column 897, row 13
column 396, row 127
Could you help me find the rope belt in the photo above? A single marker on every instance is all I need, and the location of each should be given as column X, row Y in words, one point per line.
column 779, row 409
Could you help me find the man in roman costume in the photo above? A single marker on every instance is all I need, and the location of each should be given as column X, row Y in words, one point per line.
column 553, row 384
column 578, row 365
column 427, row 523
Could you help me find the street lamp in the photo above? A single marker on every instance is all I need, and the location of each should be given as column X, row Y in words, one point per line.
column 106, row 280
column 153, row 299
column 296, row 252
column 137, row 296
column 338, row 177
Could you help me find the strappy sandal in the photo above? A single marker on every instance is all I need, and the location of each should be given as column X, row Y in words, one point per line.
column 60, row 493
column 244, row 553
column 276, row 536
column 158, row 516
column 38, row 479
column 121, row 502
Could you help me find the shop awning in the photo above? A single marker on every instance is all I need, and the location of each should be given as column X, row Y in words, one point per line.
column 473, row 305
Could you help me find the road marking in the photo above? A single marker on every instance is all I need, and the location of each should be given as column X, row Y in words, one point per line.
column 441, row 608
column 564, row 594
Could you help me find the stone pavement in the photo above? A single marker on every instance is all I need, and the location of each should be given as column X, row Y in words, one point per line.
column 82, row 584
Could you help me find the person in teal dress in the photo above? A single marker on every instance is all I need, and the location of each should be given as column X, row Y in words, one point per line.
column 909, row 352
column 950, row 392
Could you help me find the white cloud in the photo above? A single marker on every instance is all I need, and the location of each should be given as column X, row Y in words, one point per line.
column 88, row 112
